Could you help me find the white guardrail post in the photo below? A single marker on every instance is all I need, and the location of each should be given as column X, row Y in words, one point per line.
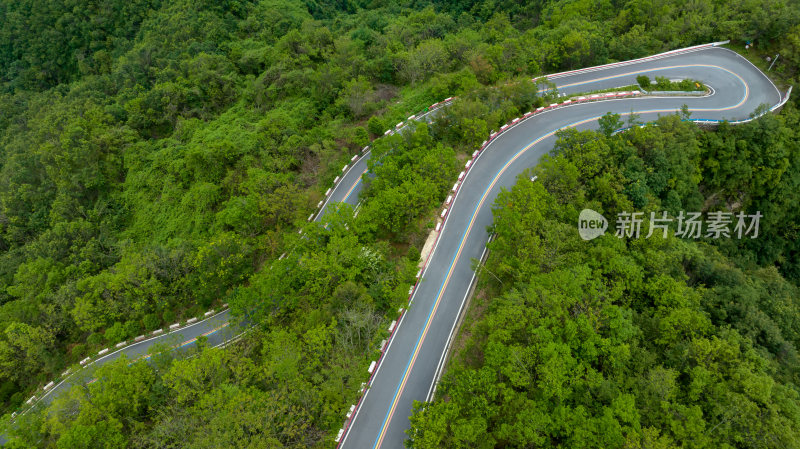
column 461, row 176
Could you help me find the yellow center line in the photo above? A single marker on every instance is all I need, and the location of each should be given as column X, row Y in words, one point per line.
column 399, row 391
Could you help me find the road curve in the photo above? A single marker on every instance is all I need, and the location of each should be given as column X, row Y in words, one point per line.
column 220, row 328
column 408, row 368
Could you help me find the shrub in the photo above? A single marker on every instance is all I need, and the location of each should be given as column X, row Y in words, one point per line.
column 168, row 316
column 16, row 399
column 151, row 321
column 115, row 333
column 78, row 351
column 413, row 254
column 376, row 125
column 643, row 81
column 360, row 137
column 194, row 311
column 663, row 83
column 94, row 339
column 132, row 328
column 6, row 390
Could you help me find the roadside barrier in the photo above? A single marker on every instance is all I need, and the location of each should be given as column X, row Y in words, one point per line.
column 375, row 364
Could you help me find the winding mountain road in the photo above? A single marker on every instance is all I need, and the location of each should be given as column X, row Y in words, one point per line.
column 412, row 360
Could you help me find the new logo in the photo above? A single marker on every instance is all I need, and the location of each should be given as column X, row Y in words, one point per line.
column 591, row 224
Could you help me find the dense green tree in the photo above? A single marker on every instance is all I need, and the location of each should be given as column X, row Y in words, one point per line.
column 409, row 174
column 650, row 342
column 157, row 159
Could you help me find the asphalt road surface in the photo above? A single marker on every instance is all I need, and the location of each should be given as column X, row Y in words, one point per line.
column 408, row 368
column 412, row 360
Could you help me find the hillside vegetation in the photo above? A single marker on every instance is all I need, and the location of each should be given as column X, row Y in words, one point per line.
column 630, row 342
column 156, row 159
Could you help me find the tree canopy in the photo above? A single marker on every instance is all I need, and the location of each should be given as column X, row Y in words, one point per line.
column 157, row 158
column 641, row 342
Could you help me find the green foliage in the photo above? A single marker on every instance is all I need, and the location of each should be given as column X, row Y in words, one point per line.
column 618, row 342
column 219, row 263
column 643, row 81
column 115, row 333
column 664, row 84
column 445, row 85
column 132, row 329
column 413, row 254
column 24, row 351
column 217, row 399
column 94, row 339
column 78, row 352
column 322, row 262
column 154, row 157
column 609, row 123
column 71, row 41
column 376, row 126
column 151, row 321
column 469, row 120
column 412, row 174
column 358, row 98
column 168, row 316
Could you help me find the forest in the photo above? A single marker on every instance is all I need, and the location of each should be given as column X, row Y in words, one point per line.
column 644, row 342
column 156, row 159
